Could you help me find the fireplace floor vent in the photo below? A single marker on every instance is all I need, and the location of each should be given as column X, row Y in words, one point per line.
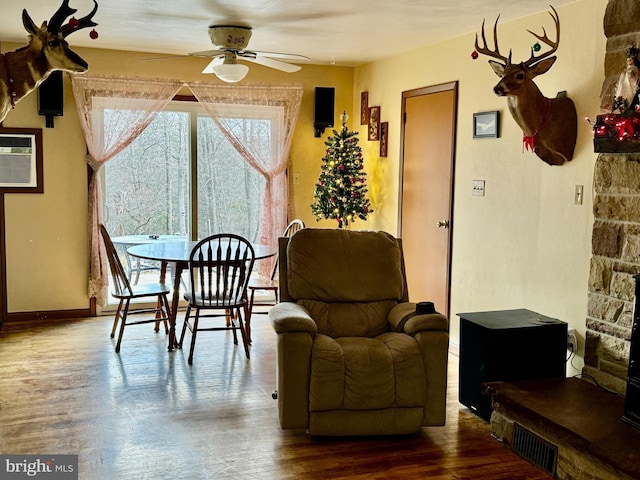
column 535, row 449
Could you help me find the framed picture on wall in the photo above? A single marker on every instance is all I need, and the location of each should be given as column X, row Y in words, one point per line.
column 21, row 160
column 374, row 123
column 364, row 108
column 384, row 138
column 486, row 124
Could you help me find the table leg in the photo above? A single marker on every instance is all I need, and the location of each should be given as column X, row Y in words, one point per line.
column 163, row 274
column 247, row 314
column 175, row 302
column 247, row 321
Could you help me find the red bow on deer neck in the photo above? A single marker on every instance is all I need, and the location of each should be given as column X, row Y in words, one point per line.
column 529, row 140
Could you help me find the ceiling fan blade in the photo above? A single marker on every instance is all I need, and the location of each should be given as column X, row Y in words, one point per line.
column 213, row 63
column 271, row 63
column 164, row 57
column 207, row 53
column 294, row 57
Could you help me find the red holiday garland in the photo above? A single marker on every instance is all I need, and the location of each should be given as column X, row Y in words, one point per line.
column 624, row 128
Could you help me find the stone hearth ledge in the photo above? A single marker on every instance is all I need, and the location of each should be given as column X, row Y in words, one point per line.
column 583, row 420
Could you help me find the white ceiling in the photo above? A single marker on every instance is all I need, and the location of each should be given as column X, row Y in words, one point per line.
column 347, row 32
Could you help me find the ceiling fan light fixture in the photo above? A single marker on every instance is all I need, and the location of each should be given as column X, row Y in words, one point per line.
column 229, row 42
column 231, row 72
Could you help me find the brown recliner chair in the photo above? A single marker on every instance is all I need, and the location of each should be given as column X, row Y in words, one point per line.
column 353, row 357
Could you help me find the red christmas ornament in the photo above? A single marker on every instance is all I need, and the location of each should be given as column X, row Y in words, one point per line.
column 353, row 180
column 74, row 22
column 474, row 55
column 341, row 167
column 93, row 34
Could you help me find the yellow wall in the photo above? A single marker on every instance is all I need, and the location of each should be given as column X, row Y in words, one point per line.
column 47, row 254
column 525, row 244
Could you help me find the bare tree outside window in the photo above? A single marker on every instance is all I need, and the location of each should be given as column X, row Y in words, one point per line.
column 229, row 191
column 148, row 186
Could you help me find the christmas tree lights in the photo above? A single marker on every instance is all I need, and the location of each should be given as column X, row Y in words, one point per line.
column 340, row 193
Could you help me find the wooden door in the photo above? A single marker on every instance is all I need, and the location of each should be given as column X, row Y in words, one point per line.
column 426, row 190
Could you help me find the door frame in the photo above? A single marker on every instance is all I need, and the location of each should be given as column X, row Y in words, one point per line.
column 443, row 87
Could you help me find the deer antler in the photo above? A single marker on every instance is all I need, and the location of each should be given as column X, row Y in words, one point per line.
column 487, row 51
column 545, row 39
column 83, row 22
column 60, row 16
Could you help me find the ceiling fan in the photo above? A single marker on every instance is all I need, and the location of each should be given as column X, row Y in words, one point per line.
column 230, row 42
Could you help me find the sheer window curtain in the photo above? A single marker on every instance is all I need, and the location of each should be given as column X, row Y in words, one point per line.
column 132, row 104
column 271, row 161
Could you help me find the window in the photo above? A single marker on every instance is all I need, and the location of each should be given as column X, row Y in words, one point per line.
column 182, row 174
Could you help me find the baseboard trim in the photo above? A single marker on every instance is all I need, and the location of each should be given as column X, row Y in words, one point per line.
column 48, row 314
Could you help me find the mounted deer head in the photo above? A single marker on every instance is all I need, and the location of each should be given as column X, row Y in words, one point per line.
column 26, row 68
column 549, row 126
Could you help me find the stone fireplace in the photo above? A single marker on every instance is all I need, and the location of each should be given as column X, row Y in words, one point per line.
column 616, row 230
column 551, row 423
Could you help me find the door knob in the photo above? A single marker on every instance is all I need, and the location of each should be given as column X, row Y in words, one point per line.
column 443, row 224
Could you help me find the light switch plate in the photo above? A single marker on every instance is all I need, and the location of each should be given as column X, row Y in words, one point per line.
column 478, row 188
column 579, row 195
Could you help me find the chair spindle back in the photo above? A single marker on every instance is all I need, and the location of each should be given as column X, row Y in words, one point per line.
column 219, row 269
column 121, row 283
column 292, row 228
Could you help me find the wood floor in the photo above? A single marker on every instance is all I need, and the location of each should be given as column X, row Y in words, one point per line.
column 146, row 414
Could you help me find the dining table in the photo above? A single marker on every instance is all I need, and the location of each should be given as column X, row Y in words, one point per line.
column 123, row 242
column 177, row 253
column 130, row 240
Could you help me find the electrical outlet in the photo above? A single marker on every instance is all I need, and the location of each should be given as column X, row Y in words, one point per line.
column 572, row 340
column 296, row 179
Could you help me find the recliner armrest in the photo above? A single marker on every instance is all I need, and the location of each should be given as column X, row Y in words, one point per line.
column 403, row 318
column 287, row 317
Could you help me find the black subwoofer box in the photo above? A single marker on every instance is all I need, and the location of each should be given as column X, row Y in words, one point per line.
column 504, row 346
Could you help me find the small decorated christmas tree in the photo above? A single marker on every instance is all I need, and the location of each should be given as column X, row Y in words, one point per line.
column 340, row 193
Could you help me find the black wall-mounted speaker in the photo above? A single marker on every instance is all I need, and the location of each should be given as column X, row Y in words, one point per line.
column 324, row 109
column 51, row 97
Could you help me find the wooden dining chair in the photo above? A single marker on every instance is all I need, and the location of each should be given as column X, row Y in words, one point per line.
column 136, row 266
column 269, row 284
column 125, row 292
column 219, row 271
